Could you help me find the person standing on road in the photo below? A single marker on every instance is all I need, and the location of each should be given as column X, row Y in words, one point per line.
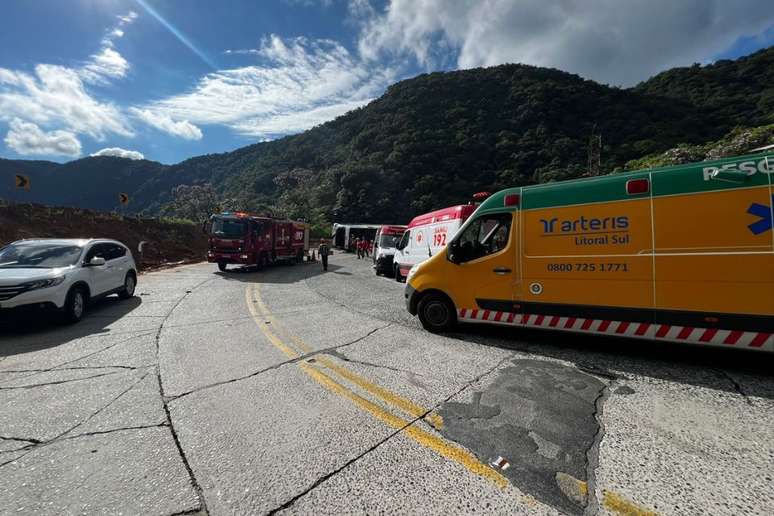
column 358, row 248
column 323, row 253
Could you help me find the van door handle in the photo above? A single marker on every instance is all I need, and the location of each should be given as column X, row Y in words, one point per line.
column 501, row 270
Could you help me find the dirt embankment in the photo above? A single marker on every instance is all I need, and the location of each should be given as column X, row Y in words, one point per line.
column 166, row 242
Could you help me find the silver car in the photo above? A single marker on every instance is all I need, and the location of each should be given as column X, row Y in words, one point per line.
column 65, row 273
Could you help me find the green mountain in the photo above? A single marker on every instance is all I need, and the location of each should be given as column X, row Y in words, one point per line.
column 432, row 141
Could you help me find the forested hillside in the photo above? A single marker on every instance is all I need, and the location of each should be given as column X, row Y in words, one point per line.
column 435, row 139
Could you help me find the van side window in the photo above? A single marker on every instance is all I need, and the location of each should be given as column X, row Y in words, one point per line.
column 484, row 236
column 404, row 240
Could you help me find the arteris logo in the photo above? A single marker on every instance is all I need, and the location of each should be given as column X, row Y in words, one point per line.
column 584, row 225
column 763, row 212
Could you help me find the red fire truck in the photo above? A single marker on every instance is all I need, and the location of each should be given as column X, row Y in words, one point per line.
column 248, row 239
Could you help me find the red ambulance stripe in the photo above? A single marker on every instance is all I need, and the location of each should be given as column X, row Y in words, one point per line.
column 733, row 337
column 603, row 327
column 759, row 340
column 485, row 316
column 684, row 333
column 463, row 311
column 554, row 321
column 587, row 324
column 511, row 317
column 663, row 330
column 570, row 322
column 622, row 327
column 642, row 328
column 498, row 315
column 539, row 320
column 708, row 334
column 474, row 313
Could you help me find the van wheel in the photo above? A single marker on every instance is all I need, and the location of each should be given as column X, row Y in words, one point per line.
column 222, row 266
column 130, row 282
column 436, row 313
column 75, row 305
column 398, row 277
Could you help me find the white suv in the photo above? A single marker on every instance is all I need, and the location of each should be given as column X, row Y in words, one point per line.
column 65, row 273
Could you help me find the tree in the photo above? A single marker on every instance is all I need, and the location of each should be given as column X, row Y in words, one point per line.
column 193, row 202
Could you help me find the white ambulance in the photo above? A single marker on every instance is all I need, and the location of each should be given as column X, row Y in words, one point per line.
column 426, row 235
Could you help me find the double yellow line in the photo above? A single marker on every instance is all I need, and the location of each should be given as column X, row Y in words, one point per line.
column 324, row 370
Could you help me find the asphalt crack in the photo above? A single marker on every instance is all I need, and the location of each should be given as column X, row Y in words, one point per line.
column 592, row 453
column 39, row 444
column 57, row 382
column 29, row 440
column 322, row 479
column 343, row 357
column 191, row 476
column 88, row 355
column 294, row 360
column 737, row 386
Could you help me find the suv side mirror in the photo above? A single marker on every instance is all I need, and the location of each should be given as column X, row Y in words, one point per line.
column 97, row 261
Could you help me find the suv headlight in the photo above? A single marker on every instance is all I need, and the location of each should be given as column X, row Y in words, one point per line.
column 35, row 285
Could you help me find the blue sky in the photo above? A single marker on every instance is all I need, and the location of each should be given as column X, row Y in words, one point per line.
column 172, row 79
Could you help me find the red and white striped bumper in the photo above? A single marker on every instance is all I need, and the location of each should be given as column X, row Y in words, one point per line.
column 704, row 336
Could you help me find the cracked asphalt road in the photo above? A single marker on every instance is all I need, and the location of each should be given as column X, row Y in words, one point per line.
column 295, row 391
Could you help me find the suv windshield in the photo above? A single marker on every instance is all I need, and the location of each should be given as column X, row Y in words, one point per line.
column 228, row 228
column 39, row 255
column 389, row 240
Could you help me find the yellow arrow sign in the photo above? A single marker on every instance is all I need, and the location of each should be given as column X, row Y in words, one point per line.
column 123, row 198
column 22, row 182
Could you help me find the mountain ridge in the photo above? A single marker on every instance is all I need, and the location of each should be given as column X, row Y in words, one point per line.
column 432, row 140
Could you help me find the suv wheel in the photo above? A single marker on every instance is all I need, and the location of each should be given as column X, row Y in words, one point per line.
column 130, row 282
column 75, row 305
column 222, row 266
column 436, row 313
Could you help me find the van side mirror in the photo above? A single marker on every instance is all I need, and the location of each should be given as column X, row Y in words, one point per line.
column 453, row 252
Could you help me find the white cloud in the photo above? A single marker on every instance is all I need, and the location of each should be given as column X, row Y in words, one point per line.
column 55, row 96
column 606, row 40
column 119, row 153
column 297, row 84
column 107, row 64
column 27, row 138
column 158, row 119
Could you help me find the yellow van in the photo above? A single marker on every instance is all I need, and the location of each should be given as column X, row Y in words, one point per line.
column 683, row 254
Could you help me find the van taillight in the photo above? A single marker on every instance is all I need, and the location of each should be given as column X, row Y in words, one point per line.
column 637, row 186
column 512, row 199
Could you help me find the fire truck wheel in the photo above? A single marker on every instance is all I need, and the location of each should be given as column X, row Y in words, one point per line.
column 436, row 313
column 222, row 266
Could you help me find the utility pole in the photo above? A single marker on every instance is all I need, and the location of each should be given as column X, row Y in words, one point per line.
column 595, row 152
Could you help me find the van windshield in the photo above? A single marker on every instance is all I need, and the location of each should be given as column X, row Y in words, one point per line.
column 228, row 228
column 389, row 240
